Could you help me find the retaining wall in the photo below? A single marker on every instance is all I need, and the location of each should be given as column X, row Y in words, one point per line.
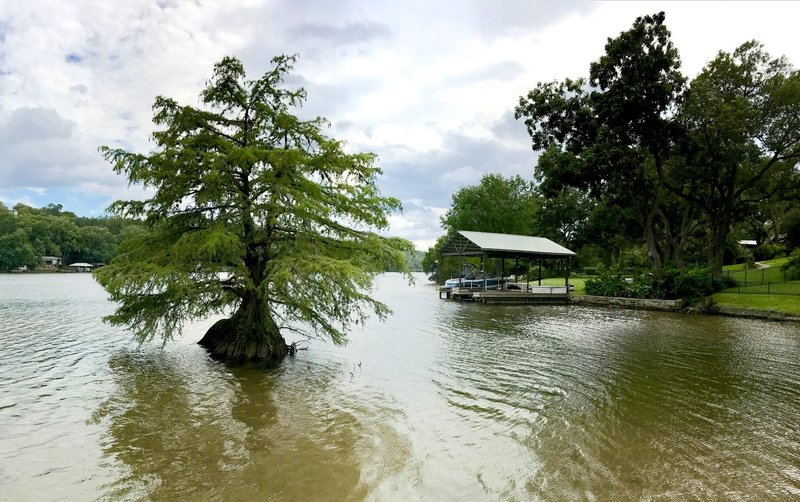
column 629, row 303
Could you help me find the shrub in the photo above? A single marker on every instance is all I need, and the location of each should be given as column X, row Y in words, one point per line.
column 668, row 284
column 767, row 251
column 724, row 282
column 791, row 268
column 605, row 285
column 691, row 284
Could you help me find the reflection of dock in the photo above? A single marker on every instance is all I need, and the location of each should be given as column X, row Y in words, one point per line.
column 533, row 295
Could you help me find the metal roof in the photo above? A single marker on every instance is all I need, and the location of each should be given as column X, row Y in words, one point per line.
column 469, row 243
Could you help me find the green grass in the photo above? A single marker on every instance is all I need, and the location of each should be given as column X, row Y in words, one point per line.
column 772, row 274
column 773, row 263
column 578, row 282
column 780, row 303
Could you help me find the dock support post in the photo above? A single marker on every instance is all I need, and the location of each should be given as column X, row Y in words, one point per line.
column 540, row 271
column 566, row 274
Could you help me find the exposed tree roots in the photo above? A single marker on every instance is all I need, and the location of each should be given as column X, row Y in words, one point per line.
column 245, row 339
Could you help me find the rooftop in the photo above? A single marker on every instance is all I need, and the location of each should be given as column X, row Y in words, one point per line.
column 469, row 243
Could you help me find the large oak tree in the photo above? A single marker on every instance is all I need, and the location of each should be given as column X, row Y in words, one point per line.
column 611, row 135
column 741, row 118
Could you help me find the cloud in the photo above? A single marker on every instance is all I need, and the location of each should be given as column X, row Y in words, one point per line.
column 348, row 34
column 502, row 70
column 428, row 86
column 503, row 147
column 418, row 223
column 41, row 148
column 34, row 124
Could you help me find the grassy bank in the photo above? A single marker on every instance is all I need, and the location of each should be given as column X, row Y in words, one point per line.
column 789, row 304
column 760, row 283
column 578, row 282
column 774, row 263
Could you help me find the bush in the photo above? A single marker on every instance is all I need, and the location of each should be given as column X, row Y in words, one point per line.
column 767, row 251
column 724, row 282
column 791, row 268
column 690, row 284
column 606, row 285
column 669, row 284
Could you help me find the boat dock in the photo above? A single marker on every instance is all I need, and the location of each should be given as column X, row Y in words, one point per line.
column 496, row 289
column 533, row 295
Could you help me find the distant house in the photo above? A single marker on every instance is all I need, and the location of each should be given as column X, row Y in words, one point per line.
column 81, row 267
column 51, row 261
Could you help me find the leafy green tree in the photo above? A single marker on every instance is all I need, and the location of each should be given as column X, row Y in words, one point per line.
column 611, row 135
column 16, row 251
column 15, row 248
column 49, row 234
column 496, row 204
column 742, row 122
column 431, row 265
column 564, row 217
column 95, row 244
column 257, row 214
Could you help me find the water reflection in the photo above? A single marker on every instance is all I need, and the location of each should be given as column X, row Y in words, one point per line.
column 453, row 402
column 187, row 428
column 625, row 405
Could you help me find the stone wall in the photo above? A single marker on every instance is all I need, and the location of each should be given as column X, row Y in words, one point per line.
column 630, row 303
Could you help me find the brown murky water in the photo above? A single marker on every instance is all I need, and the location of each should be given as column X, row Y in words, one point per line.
column 443, row 401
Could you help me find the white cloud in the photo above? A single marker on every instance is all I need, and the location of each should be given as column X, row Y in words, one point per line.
column 428, row 86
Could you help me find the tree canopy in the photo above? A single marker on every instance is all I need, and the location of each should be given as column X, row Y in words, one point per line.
column 679, row 158
column 486, row 207
column 27, row 234
column 256, row 214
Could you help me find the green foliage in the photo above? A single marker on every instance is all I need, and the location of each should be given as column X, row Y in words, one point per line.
column 450, row 264
column 741, row 119
column 255, row 211
column 565, row 217
column 792, row 227
column 670, row 284
column 791, row 268
column 767, row 251
column 496, row 204
column 413, row 259
column 606, row 285
column 27, row 234
column 611, row 133
column 684, row 163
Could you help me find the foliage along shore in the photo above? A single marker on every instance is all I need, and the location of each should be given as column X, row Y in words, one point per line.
column 705, row 305
column 643, row 169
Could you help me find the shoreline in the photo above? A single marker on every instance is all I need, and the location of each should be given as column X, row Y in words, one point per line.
column 681, row 306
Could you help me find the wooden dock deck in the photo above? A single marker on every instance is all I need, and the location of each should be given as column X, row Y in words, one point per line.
column 535, row 295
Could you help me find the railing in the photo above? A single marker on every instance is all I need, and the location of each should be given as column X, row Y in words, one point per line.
column 762, row 281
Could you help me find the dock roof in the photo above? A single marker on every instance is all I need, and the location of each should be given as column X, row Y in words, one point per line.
column 469, row 243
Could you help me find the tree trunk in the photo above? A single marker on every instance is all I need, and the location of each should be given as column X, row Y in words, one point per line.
column 250, row 336
column 716, row 247
column 650, row 238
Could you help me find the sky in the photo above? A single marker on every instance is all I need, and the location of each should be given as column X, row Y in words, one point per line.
column 429, row 86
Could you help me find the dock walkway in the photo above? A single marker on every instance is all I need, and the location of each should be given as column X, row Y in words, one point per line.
column 534, row 295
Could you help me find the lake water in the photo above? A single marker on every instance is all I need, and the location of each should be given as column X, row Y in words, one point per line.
column 442, row 401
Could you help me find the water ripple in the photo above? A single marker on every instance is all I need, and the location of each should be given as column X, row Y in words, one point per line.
column 441, row 401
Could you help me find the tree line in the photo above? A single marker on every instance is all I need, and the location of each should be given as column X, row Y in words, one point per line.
column 27, row 234
column 640, row 165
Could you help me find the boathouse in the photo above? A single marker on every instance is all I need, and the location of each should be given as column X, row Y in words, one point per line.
column 529, row 250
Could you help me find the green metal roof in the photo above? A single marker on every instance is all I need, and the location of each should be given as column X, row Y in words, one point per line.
column 469, row 243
